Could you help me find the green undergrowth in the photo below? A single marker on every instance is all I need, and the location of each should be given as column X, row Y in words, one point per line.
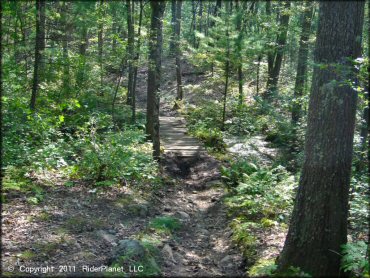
column 146, row 265
column 260, row 198
column 158, row 231
column 76, row 146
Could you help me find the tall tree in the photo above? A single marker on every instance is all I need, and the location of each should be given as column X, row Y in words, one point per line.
column 275, row 58
column 318, row 226
column 136, row 61
column 178, row 50
column 302, row 62
column 154, row 74
column 130, row 49
column 239, row 51
column 100, row 43
column 227, row 65
column 173, row 25
column 39, row 48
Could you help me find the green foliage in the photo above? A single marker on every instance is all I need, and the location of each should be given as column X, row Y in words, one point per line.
column 262, row 268
column 260, row 192
column 355, row 259
column 117, row 155
column 165, row 224
column 148, row 262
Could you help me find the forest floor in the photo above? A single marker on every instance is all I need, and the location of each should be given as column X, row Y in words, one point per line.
column 81, row 226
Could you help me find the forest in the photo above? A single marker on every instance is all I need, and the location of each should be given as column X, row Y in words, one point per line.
column 185, row 138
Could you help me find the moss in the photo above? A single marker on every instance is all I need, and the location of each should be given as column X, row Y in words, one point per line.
column 79, row 224
column 268, row 223
column 165, row 224
column 27, row 255
column 263, row 267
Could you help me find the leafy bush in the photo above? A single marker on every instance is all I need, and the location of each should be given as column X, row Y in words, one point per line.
column 260, row 192
column 117, row 155
column 355, row 260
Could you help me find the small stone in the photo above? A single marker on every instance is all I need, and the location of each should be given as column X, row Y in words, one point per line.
column 168, row 252
column 183, row 215
column 131, row 247
column 213, row 199
column 106, row 236
column 167, row 209
column 226, row 262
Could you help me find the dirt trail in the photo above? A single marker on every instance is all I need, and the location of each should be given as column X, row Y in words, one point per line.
column 203, row 247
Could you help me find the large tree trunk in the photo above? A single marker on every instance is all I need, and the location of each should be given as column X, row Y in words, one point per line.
column 154, row 75
column 319, row 221
column 275, row 59
column 130, row 49
column 302, row 62
column 178, row 50
column 39, row 48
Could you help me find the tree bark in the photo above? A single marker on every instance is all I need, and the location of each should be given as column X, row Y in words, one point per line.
column 154, row 75
column 130, row 49
column 173, row 25
column 137, row 56
column 66, row 25
column 178, row 51
column 302, row 63
column 318, row 226
column 227, row 68
column 39, row 48
column 275, row 59
column 100, row 46
column 239, row 50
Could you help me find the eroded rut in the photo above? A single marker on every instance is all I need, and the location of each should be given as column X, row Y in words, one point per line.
column 203, row 247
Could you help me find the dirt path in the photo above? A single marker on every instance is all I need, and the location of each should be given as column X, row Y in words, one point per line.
column 203, row 247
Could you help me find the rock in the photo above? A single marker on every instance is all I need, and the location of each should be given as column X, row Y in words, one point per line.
column 107, row 237
column 167, row 209
column 168, row 253
column 204, row 232
column 129, row 247
column 213, row 199
column 226, row 262
column 138, row 209
column 183, row 215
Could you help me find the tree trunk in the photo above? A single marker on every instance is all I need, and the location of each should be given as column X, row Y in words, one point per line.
column 240, row 56
column 66, row 25
column 319, row 221
column 137, row 56
column 258, row 74
column 227, row 68
column 130, row 49
column 39, row 48
column 275, row 61
column 154, row 75
column 193, row 22
column 100, row 46
column 302, row 62
column 173, row 25
column 178, row 51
